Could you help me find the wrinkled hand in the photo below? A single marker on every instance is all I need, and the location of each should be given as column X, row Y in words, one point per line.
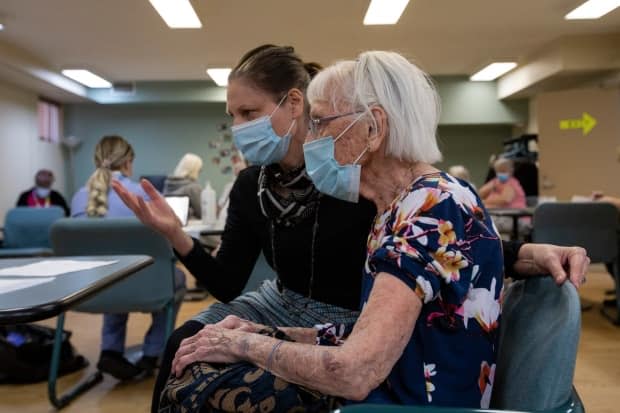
column 155, row 213
column 232, row 322
column 212, row 343
column 562, row 262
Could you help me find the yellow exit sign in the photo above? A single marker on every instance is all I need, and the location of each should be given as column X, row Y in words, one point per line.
column 586, row 123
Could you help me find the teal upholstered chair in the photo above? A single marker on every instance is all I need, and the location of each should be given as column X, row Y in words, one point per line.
column 148, row 290
column 26, row 231
column 591, row 225
column 539, row 335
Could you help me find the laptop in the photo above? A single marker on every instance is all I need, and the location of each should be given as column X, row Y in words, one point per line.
column 180, row 206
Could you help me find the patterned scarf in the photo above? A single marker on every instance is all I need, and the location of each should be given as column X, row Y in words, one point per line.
column 286, row 197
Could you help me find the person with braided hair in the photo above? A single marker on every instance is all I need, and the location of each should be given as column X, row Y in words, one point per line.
column 114, row 162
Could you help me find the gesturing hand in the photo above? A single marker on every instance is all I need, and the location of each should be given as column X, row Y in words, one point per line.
column 155, row 213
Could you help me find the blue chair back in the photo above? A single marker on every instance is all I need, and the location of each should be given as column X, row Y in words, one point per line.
column 26, row 227
column 158, row 181
column 538, row 343
column 148, row 290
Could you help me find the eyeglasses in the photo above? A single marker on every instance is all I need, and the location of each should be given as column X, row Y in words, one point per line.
column 316, row 125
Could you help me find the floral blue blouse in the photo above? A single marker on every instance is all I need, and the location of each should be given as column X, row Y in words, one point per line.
column 438, row 239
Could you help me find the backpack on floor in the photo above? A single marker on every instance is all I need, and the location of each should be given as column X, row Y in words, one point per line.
column 26, row 353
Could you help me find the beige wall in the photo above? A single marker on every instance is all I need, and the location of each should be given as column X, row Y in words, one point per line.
column 572, row 163
column 21, row 151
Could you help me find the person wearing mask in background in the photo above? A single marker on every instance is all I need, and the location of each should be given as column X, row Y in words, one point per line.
column 459, row 171
column 183, row 182
column 42, row 195
column 114, row 158
column 315, row 243
column 503, row 191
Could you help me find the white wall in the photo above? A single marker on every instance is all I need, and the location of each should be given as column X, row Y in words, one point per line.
column 21, row 151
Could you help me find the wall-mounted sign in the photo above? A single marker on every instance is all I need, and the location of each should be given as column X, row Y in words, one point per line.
column 586, row 123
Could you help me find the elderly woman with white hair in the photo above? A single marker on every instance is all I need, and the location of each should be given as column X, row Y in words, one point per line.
column 503, row 191
column 427, row 333
column 183, row 182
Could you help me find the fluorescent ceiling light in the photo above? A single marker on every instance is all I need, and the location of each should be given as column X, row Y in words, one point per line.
column 86, row 78
column 593, row 9
column 219, row 76
column 493, row 71
column 178, row 14
column 384, row 11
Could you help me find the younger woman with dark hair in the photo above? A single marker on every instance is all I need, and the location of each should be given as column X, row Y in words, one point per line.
column 315, row 244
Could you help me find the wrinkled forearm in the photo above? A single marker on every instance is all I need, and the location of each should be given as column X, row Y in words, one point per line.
column 300, row 334
column 327, row 369
column 361, row 363
column 525, row 264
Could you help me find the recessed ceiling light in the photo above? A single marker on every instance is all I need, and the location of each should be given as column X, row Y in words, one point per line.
column 384, row 11
column 87, row 78
column 493, row 71
column 219, row 76
column 1, row 27
column 593, row 9
column 178, row 14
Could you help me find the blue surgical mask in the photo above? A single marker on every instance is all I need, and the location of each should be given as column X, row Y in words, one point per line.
column 329, row 177
column 503, row 177
column 259, row 143
column 42, row 192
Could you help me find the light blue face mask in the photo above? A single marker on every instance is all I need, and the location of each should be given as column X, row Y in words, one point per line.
column 259, row 143
column 329, row 177
column 42, row 192
column 503, row 177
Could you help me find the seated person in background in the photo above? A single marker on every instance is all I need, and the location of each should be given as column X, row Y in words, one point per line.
column 41, row 195
column 431, row 244
column 183, row 182
column 459, row 171
column 114, row 160
column 503, row 191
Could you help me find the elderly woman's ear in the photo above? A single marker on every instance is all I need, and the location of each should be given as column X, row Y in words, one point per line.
column 377, row 130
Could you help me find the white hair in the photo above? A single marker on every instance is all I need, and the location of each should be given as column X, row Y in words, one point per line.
column 459, row 171
column 390, row 81
column 504, row 163
column 189, row 166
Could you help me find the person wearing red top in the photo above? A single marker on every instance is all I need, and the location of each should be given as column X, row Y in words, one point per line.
column 41, row 195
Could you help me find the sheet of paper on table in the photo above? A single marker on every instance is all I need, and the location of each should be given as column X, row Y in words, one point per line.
column 8, row 285
column 52, row 268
